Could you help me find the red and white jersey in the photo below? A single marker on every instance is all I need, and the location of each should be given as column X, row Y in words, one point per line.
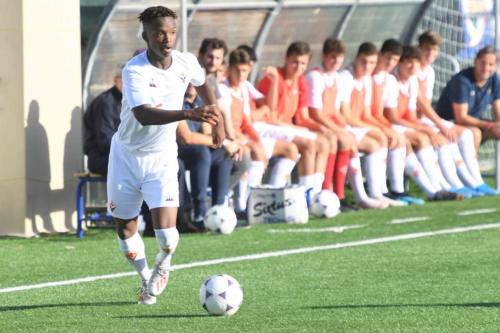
column 357, row 91
column 384, row 91
column 246, row 93
column 426, row 79
column 325, row 90
column 407, row 95
column 145, row 84
column 237, row 101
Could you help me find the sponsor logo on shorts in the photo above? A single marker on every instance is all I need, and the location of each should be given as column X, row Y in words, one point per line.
column 112, row 206
column 169, row 199
column 152, row 84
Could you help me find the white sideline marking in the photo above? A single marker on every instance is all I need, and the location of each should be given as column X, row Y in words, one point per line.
column 265, row 255
column 410, row 219
column 477, row 211
column 338, row 229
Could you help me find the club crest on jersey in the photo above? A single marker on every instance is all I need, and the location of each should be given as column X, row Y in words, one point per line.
column 183, row 77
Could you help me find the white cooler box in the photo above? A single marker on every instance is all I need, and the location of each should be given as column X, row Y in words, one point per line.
column 268, row 204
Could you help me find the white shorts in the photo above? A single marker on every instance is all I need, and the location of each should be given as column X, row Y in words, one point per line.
column 268, row 144
column 402, row 129
column 358, row 132
column 284, row 133
column 430, row 123
column 133, row 178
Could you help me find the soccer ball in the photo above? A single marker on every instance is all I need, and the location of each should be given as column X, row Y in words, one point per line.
column 325, row 204
column 220, row 218
column 221, row 295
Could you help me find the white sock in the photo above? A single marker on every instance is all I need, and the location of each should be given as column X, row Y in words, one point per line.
column 356, row 179
column 396, row 169
column 374, row 176
column 318, row 182
column 133, row 249
column 255, row 173
column 414, row 169
column 448, row 166
column 281, row 172
column 307, row 181
column 167, row 242
column 384, row 155
column 469, row 154
column 462, row 170
column 428, row 159
column 242, row 191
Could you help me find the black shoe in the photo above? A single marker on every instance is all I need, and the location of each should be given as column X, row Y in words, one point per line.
column 346, row 206
column 445, row 195
column 242, row 215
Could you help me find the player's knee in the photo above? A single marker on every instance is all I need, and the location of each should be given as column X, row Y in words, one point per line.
column 478, row 135
column 345, row 142
column 422, row 141
column 322, row 144
column 291, row 151
column 372, row 146
column 308, row 147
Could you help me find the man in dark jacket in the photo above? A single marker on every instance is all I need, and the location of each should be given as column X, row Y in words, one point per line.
column 101, row 121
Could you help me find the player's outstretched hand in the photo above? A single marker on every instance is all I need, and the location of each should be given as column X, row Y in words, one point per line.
column 206, row 114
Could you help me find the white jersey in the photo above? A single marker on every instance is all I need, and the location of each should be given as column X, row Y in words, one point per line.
column 408, row 90
column 391, row 89
column 143, row 84
column 427, row 77
column 318, row 81
column 350, row 84
column 245, row 93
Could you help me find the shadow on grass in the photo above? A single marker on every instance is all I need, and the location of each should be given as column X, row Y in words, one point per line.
column 164, row 316
column 61, row 305
column 381, row 306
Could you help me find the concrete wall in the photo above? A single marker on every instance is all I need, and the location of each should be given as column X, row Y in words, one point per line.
column 40, row 115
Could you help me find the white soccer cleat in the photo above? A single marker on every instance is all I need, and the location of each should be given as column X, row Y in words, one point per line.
column 392, row 203
column 158, row 281
column 144, row 296
column 369, row 203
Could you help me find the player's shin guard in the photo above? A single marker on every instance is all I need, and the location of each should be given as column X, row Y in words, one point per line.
column 429, row 161
column 414, row 169
column 469, row 154
column 340, row 173
column 133, row 249
column 374, row 176
column 462, row 170
column 384, row 152
column 396, row 169
column 330, row 169
column 281, row 172
column 448, row 166
column 167, row 242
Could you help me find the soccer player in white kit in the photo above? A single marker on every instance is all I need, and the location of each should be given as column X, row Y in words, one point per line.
column 143, row 157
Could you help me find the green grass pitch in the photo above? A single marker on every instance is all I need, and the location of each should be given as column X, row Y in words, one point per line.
column 443, row 283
